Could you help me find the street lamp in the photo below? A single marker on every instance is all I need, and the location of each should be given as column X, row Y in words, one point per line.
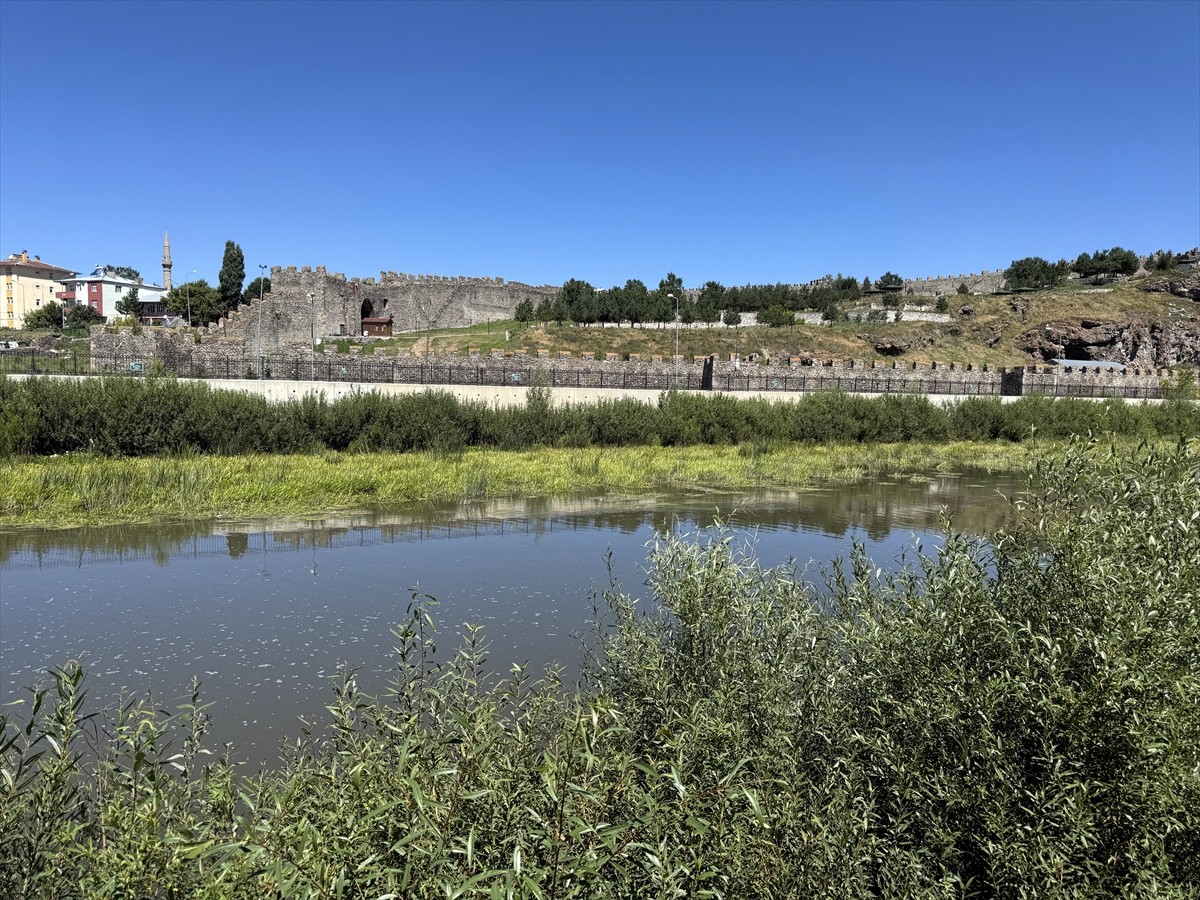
column 187, row 292
column 312, row 336
column 676, row 299
column 424, row 317
column 261, row 270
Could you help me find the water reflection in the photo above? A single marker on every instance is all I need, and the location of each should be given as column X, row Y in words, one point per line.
column 976, row 502
column 264, row 612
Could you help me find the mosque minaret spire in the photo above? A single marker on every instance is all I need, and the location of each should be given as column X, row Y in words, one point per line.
column 166, row 260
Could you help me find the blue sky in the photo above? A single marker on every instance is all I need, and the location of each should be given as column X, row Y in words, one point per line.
column 744, row 142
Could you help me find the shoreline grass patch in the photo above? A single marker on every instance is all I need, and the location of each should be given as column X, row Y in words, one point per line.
column 88, row 490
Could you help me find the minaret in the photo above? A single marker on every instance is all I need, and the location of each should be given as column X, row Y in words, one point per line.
column 166, row 260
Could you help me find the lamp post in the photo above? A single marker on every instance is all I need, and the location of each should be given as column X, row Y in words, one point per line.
column 676, row 299
column 187, row 292
column 312, row 336
column 261, row 270
column 428, row 336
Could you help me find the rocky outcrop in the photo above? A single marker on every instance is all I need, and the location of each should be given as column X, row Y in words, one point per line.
column 1186, row 285
column 1141, row 344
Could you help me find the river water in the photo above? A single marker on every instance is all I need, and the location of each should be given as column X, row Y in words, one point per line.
column 265, row 613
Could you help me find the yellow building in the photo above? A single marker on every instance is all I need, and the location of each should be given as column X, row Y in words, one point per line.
column 28, row 283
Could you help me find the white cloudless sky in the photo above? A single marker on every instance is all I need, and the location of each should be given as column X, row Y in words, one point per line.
column 745, row 143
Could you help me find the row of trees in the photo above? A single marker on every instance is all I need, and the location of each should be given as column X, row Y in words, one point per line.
column 578, row 301
column 776, row 304
column 1035, row 272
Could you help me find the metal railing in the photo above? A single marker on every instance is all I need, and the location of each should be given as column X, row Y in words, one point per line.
column 524, row 373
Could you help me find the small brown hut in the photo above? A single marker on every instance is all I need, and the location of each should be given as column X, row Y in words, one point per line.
column 377, row 327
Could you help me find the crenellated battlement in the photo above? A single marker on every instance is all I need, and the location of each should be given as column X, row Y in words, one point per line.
column 290, row 273
column 986, row 282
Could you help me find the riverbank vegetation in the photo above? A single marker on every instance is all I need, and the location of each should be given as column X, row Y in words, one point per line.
column 135, row 450
column 83, row 489
column 159, row 416
column 1012, row 718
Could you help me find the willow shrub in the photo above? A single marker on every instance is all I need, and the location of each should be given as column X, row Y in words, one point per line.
column 1015, row 718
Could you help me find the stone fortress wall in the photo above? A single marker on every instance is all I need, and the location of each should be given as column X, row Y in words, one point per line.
column 338, row 305
column 985, row 282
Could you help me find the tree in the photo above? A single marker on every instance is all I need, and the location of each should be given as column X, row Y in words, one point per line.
column 731, row 317
column 662, row 307
column 1117, row 261
column 128, row 305
column 1034, row 272
column 1162, row 261
column 776, row 317
column 962, row 289
column 578, row 301
column 233, row 273
column 866, row 283
column 80, row 315
column 610, row 305
column 890, row 281
column 710, row 301
column 126, row 272
column 204, row 300
column 524, row 311
column 48, row 317
column 552, row 309
column 252, row 289
column 635, row 301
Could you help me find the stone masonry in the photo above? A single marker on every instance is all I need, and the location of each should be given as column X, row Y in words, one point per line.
column 985, row 282
column 287, row 316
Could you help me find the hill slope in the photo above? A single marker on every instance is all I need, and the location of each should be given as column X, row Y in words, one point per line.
column 1127, row 323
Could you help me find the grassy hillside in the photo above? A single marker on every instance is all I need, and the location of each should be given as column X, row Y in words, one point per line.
column 987, row 335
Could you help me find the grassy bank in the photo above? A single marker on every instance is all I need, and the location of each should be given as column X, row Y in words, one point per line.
column 81, row 489
column 1009, row 719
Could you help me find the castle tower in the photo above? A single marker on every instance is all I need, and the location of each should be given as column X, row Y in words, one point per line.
column 166, row 260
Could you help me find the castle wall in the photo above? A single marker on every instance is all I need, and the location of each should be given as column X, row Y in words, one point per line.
column 415, row 303
column 985, row 282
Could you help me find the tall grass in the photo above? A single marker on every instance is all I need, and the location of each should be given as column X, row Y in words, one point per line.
column 154, row 417
column 1016, row 718
column 86, row 489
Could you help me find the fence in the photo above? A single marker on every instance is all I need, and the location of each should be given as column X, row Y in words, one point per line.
column 519, row 373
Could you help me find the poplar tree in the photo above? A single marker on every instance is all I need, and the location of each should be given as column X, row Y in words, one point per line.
column 233, row 273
